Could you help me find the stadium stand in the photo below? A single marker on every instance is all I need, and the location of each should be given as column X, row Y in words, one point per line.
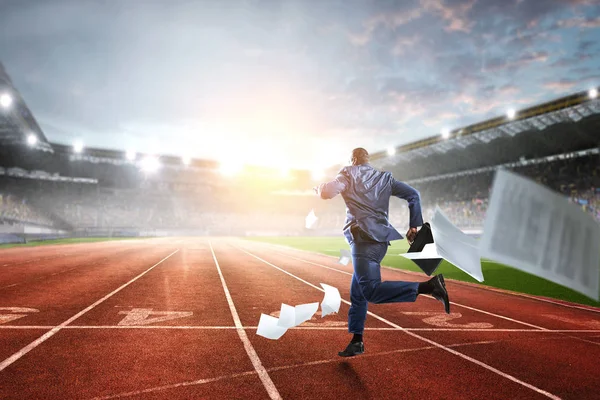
column 100, row 191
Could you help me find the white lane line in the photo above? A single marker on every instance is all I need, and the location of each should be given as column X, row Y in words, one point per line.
column 471, row 285
column 57, row 328
column 260, row 369
column 275, row 369
column 316, row 328
column 424, row 339
column 427, row 296
column 174, row 386
column 26, row 327
column 594, row 310
column 381, row 353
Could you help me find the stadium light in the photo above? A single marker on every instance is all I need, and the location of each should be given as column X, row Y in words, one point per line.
column 186, row 160
column 130, row 155
column 78, row 147
column 593, row 93
column 445, row 133
column 391, row 151
column 230, row 168
column 150, row 164
column 511, row 113
column 6, row 100
column 31, row 139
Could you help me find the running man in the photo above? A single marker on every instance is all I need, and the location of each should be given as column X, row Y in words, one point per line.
column 366, row 192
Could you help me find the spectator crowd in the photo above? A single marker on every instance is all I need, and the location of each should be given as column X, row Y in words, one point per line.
column 225, row 211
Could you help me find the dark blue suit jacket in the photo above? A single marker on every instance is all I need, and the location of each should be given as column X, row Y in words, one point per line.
column 367, row 193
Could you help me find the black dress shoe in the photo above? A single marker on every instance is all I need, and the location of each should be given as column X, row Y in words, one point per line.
column 353, row 349
column 440, row 292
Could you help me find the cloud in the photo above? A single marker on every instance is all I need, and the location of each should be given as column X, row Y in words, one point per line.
column 519, row 62
column 455, row 15
column 379, row 72
column 560, row 86
column 579, row 22
column 388, row 20
column 405, row 43
column 508, row 90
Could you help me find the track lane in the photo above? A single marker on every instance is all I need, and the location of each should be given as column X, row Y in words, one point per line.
column 186, row 283
column 58, row 297
column 294, row 346
column 21, row 266
column 317, row 273
column 108, row 362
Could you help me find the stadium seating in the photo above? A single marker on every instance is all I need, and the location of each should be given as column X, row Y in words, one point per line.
column 237, row 210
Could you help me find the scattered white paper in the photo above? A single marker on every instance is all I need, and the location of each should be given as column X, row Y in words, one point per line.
column 429, row 251
column 331, row 301
column 268, row 328
column 311, row 219
column 290, row 317
column 345, row 257
column 304, row 312
column 536, row 230
column 287, row 316
column 455, row 246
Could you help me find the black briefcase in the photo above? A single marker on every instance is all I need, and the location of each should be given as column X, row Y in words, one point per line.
column 424, row 236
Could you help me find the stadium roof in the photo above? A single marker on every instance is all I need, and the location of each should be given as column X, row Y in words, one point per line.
column 567, row 124
column 16, row 120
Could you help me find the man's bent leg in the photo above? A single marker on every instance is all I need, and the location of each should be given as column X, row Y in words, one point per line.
column 368, row 273
column 393, row 292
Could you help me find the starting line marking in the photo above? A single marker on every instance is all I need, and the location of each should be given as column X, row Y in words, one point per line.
column 440, row 320
column 139, row 316
column 424, row 339
column 16, row 313
column 57, row 328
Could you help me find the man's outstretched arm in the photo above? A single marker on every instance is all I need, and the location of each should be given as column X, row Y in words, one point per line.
column 331, row 189
column 412, row 196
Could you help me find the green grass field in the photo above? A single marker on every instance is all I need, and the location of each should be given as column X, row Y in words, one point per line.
column 496, row 275
column 64, row 241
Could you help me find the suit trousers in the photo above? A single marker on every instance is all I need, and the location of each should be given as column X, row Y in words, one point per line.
column 367, row 286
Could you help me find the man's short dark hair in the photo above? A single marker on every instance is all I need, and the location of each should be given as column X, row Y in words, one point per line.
column 359, row 156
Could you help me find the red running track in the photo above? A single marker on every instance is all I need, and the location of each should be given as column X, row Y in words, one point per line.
column 176, row 319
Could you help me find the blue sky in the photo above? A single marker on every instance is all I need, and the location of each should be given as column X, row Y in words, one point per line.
column 296, row 83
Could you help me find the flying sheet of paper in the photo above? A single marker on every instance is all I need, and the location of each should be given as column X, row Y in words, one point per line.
column 331, row 301
column 536, row 230
column 304, row 312
column 311, row 220
column 429, row 251
column 268, row 328
column 455, row 246
column 290, row 317
column 345, row 257
column 287, row 316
